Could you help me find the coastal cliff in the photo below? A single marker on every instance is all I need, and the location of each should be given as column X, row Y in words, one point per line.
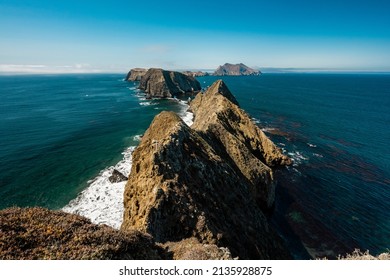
column 193, row 183
column 235, row 70
column 135, row 74
column 163, row 83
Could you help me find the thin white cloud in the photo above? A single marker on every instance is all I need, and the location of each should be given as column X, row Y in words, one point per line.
column 47, row 69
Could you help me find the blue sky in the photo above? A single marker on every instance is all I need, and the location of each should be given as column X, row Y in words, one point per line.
column 113, row 36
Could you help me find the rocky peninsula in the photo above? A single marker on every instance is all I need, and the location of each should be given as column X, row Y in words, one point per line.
column 209, row 182
column 196, row 192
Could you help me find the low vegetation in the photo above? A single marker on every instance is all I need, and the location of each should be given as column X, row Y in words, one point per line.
column 359, row 255
column 38, row 233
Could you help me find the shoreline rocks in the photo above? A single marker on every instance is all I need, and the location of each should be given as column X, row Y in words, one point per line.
column 117, row 177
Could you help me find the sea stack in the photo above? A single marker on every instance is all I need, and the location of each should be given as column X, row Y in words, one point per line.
column 209, row 182
column 235, row 70
column 162, row 83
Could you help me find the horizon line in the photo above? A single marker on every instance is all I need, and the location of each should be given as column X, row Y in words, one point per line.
column 31, row 69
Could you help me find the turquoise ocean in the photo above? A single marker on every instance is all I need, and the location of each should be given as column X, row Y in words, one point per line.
column 62, row 135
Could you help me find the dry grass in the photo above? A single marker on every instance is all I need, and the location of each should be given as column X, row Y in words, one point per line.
column 358, row 255
column 38, row 233
column 191, row 249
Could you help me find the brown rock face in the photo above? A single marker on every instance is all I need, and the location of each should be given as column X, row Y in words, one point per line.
column 116, row 177
column 230, row 131
column 235, row 70
column 136, row 74
column 180, row 187
column 37, row 233
column 162, row 83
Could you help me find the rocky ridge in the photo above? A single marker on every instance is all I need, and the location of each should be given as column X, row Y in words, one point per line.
column 195, row 73
column 192, row 182
column 162, row 83
column 230, row 130
column 235, row 70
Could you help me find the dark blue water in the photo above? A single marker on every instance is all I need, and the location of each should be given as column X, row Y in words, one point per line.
column 58, row 132
column 336, row 197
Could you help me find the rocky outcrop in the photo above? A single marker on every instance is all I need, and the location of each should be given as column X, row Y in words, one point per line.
column 195, row 73
column 38, row 233
column 135, row 74
column 231, row 132
column 117, row 177
column 235, row 70
column 162, row 83
column 181, row 187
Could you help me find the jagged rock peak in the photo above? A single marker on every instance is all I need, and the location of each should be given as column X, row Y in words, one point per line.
column 219, row 87
column 162, row 83
column 212, row 110
column 180, row 187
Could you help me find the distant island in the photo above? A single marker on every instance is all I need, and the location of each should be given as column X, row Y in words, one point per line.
column 156, row 82
column 235, row 70
column 240, row 69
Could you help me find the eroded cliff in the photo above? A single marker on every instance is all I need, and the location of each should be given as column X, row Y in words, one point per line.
column 163, row 83
column 135, row 74
column 206, row 182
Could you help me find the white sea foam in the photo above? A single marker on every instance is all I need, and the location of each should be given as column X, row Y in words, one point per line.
column 185, row 114
column 137, row 137
column 266, row 129
column 256, row 121
column 311, row 145
column 297, row 158
column 318, row 155
column 102, row 201
column 147, row 103
column 188, row 118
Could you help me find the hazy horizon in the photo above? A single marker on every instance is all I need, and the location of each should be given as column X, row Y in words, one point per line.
column 114, row 36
